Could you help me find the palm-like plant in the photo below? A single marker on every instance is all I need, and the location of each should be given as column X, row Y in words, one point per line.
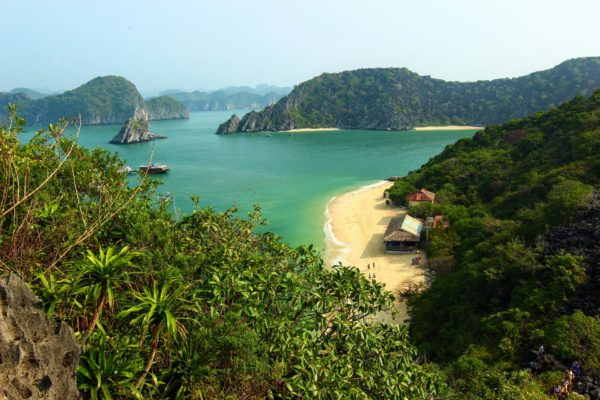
column 100, row 276
column 104, row 372
column 54, row 292
column 160, row 312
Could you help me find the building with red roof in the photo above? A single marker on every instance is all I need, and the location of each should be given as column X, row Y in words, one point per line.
column 420, row 197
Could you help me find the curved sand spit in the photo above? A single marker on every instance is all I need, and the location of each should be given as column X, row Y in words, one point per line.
column 355, row 224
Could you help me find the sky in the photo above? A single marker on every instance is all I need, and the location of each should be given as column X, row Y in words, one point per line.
column 203, row 44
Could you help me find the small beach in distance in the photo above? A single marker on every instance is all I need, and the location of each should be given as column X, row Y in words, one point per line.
column 447, row 128
column 312, row 130
column 354, row 225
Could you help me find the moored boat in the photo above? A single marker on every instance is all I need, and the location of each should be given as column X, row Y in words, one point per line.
column 153, row 169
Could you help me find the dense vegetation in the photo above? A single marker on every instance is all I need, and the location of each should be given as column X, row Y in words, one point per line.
column 226, row 99
column 103, row 100
column 199, row 307
column 519, row 265
column 398, row 99
column 165, row 107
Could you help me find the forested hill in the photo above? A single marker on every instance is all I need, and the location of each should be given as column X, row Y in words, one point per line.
column 103, row 100
column 398, row 99
column 518, row 266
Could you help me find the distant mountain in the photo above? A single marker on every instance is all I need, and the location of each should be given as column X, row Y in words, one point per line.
column 261, row 89
column 398, row 99
column 265, row 88
column 31, row 93
column 103, row 100
column 230, row 98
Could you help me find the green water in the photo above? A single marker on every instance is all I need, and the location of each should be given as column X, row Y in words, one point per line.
column 291, row 176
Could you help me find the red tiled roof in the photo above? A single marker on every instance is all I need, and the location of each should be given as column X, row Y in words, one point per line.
column 421, row 195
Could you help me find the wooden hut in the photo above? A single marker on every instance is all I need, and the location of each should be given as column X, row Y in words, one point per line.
column 403, row 235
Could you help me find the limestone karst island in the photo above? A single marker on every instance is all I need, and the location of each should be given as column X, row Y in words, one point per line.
column 380, row 200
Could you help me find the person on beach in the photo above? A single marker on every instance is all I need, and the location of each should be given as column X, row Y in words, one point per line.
column 570, row 379
column 368, row 266
column 576, row 368
column 373, row 276
column 555, row 391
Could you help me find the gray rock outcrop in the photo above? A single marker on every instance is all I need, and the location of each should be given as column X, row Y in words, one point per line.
column 136, row 129
column 38, row 358
column 276, row 117
column 229, row 126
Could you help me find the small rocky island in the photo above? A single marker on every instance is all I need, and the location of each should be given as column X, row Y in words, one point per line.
column 229, row 126
column 136, row 129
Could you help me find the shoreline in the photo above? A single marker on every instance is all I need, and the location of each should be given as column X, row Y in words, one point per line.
column 311, row 130
column 419, row 128
column 355, row 222
column 448, row 128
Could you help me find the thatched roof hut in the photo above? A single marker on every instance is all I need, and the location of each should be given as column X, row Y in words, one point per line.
column 403, row 234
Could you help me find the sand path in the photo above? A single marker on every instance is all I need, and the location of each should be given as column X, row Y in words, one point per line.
column 357, row 222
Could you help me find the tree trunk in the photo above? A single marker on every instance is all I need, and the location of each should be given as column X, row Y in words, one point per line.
column 97, row 312
column 149, row 362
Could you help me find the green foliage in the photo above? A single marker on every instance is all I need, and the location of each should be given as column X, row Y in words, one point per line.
column 400, row 190
column 497, row 286
column 576, row 337
column 103, row 100
column 201, row 307
column 396, row 98
column 165, row 107
column 108, row 371
column 99, row 277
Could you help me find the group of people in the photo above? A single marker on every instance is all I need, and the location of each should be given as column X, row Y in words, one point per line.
column 562, row 390
column 369, row 267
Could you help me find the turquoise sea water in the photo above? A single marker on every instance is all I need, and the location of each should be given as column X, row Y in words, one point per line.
column 291, row 176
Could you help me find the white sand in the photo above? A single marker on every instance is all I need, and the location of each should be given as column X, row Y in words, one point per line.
column 312, row 130
column 448, row 128
column 356, row 222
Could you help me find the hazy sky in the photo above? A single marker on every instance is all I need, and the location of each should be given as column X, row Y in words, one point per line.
column 210, row 44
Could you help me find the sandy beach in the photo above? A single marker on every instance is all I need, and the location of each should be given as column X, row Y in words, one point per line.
column 355, row 224
column 447, row 128
column 312, row 130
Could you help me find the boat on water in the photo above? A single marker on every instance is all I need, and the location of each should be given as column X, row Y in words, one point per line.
column 153, row 169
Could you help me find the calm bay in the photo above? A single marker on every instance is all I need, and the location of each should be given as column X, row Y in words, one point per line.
column 291, row 176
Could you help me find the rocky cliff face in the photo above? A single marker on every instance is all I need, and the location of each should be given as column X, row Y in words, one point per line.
column 136, row 129
column 582, row 237
column 277, row 117
column 38, row 358
column 229, row 126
